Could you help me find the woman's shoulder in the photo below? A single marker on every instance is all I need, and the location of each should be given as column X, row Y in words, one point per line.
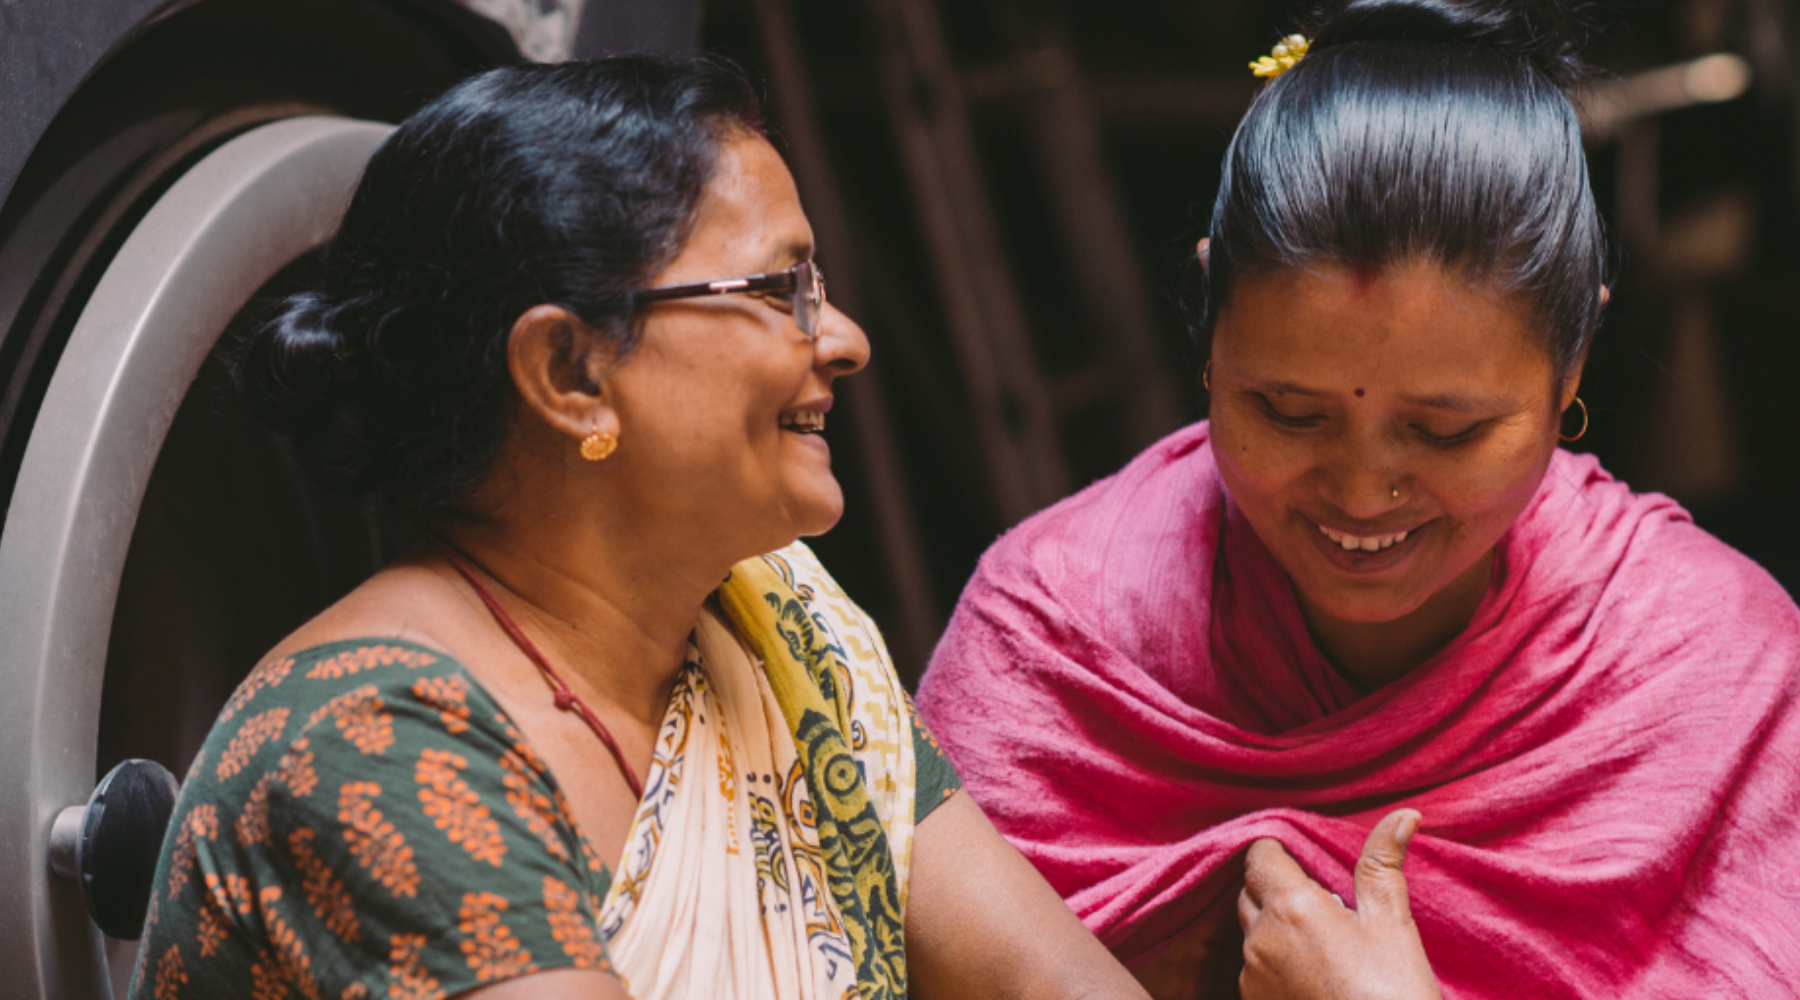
column 379, row 663
column 1161, row 501
column 1641, row 554
column 352, row 708
column 364, row 792
column 311, row 734
column 1123, row 549
column 324, row 675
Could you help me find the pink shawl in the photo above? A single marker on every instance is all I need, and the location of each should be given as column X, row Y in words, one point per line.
column 1607, row 759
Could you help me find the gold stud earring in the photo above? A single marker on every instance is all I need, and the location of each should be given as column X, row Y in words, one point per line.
column 598, row 447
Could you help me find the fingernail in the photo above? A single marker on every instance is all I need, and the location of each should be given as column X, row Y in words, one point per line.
column 1409, row 825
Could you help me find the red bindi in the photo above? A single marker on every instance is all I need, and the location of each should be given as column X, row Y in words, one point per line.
column 1359, row 394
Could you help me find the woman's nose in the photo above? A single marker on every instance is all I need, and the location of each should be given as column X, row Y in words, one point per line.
column 842, row 347
column 1364, row 486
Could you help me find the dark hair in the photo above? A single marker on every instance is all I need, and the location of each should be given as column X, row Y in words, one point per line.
column 1422, row 129
column 568, row 184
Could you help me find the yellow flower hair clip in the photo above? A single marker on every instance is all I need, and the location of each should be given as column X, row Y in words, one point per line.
column 1287, row 54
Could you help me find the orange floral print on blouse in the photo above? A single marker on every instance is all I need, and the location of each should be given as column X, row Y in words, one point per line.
column 456, row 808
column 368, row 825
column 373, row 840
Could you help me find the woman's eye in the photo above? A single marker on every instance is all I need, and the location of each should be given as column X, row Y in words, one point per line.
column 779, row 298
column 1288, row 419
column 1447, row 439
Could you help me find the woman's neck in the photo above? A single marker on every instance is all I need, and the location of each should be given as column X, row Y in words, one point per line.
column 612, row 616
column 1375, row 654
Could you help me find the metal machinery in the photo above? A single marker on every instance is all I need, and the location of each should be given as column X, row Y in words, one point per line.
column 164, row 169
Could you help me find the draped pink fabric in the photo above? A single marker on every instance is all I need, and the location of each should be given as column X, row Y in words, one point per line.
column 1607, row 759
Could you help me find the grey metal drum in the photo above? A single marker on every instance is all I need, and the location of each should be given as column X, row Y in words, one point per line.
column 221, row 232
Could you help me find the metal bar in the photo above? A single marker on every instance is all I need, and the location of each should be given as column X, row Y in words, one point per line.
column 1773, row 37
column 1011, row 411
column 1638, row 183
column 1065, row 131
column 1610, row 105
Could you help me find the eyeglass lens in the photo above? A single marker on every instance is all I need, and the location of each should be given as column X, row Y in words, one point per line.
column 809, row 303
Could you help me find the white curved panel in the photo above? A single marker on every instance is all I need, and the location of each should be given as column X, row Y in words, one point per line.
column 218, row 235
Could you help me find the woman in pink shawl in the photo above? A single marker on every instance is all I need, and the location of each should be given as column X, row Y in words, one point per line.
column 1370, row 614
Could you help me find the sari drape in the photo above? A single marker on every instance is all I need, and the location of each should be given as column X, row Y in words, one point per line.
column 769, row 854
column 1607, row 758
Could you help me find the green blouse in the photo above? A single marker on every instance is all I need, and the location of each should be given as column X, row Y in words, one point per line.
column 364, row 821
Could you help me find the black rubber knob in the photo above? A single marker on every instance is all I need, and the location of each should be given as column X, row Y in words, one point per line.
column 121, row 839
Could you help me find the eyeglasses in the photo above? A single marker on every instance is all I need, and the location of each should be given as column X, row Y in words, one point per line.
column 804, row 281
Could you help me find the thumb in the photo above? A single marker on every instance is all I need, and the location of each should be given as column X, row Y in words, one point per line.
column 1380, row 884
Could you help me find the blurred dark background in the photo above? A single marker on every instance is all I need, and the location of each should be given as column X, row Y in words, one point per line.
column 1006, row 193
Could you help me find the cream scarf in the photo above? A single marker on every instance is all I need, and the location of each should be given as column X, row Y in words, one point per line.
column 769, row 854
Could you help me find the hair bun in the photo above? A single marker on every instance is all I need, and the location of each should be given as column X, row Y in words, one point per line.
column 292, row 368
column 1547, row 32
column 299, row 373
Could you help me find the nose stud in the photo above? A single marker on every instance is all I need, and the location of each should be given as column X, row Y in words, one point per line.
column 1394, row 491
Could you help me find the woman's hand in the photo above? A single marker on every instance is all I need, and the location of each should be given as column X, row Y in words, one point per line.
column 1302, row 942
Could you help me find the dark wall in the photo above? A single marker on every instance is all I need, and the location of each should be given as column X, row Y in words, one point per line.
column 664, row 26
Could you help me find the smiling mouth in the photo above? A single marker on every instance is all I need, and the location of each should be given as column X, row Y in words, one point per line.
column 1357, row 543
column 804, row 422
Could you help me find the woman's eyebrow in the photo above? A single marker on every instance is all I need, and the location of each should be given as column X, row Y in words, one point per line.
column 1459, row 404
column 787, row 255
column 1284, row 389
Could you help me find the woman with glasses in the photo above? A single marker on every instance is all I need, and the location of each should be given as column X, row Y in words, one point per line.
column 1371, row 613
column 609, row 730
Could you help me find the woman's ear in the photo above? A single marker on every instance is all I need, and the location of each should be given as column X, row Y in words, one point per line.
column 1571, row 383
column 560, row 370
column 1203, row 250
column 1570, row 388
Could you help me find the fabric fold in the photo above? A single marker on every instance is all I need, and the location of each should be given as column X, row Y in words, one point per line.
column 760, row 858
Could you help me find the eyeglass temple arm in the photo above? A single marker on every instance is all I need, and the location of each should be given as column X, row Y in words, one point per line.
column 780, row 280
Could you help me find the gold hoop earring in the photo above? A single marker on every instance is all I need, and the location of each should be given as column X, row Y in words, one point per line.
column 1206, row 376
column 1584, row 424
column 598, row 447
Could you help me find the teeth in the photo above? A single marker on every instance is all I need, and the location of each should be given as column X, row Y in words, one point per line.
column 1352, row 543
column 804, row 421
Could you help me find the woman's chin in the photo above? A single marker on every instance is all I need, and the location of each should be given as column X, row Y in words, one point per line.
column 817, row 509
column 822, row 521
column 1369, row 604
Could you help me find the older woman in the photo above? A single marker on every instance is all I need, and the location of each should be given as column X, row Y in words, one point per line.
column 609, row 730
column 1212, row 693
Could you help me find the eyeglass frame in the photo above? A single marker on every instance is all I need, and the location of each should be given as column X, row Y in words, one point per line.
column 808, row 308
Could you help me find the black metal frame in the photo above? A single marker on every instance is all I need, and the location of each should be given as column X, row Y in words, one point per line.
column 805, row 273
